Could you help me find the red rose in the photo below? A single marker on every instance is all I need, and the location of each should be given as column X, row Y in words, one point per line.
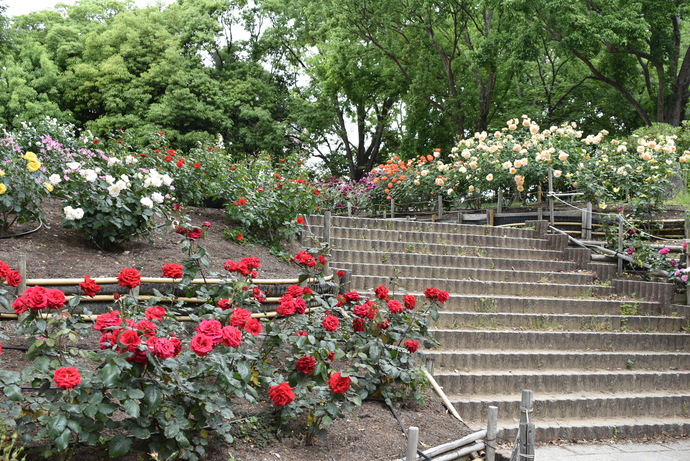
column 394, row 306
column 331, row 356
column 89, row 287
column 168, row 158
column 385, row 324
column 56, row 298
column 306, row 364
column 129, row 338
column 295, row 291
column 4, row 269
column 307, row 291
column 305, row 259
column 201, row 344
column 20, row 305
column 211, row 328
column 410, row 302
column 232, row 337
column 281, row 394
column 240, row 237
column 162, row 348
column 300, row 306
column 340, row 273
column 107, row 321
column 253, row 327
column 36, row 298
column 197, row 165
column 361, row 310
column 146, row 326
column 258, row 294
column 194, row 233
column 411, row 346
column 323, row 260
column 240, row 317
column 300, row 333
column 242, row 201
column 155, row 313
column 431, row 293
column 358, row 324
column 13, row 278
column 224, row 304
column 339, row 384
column 381, row 292
column 173, row 271
column 129, row 277
column 67, row 378
column 286, row 306
column 442, row 296
column 180, row 162
column 300, row 220
column 330, row 323
column 351, row 297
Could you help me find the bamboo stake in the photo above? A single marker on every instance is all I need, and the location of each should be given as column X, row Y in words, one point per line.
column 491, row 433
column 443, row 396
column 111, row 280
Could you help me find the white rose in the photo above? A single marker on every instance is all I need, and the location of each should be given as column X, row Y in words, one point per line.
column 55, row 179
column 147, row 202
column 157, row 197
column 73, row 165
column 73, row 214
column 89, row 175
column 113, row 190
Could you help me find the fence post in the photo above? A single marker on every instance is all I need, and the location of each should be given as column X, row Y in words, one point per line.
column 589, row 220
column 491, row 434
column 687, row 258
column 392, row 208
column 619, row 244
column 526, row 426
column 499, row 201
column 440, row 206
column 490, row 216
column 327, row 227
column 22, row 272
column 551, row 196
column 349, row 209
column 412, row 441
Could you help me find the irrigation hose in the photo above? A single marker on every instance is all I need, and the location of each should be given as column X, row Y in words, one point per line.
column 402, row 426
column 22, row 234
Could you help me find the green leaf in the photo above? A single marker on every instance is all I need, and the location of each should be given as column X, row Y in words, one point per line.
column 57, row 425
column 13, row 392
column 109, row 374
column 119, row 446
column 62, row 441
column 152, row 398
column 131, row 407
column 135, row 393
column 244, row 371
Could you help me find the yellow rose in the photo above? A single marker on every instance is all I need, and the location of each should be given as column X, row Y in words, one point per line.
column 30, row 156
column 33, row 166
column 3, row 188
column 48, row 186
column 2, row 173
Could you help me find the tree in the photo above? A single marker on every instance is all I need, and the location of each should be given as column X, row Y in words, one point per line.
column 639, row 49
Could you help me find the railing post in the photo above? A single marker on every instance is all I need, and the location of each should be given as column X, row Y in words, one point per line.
column 589, row 221
column 22, row 272
column 412, row 441
column 440, row 206
column 349, row 209
column 327, row 227
column 499, row 201
column 619, row 244
column 491, row 434
column 526, row 426
column 551, row 196
column 392, row 208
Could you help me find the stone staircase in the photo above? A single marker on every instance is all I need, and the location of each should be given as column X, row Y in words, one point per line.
column 605, row 357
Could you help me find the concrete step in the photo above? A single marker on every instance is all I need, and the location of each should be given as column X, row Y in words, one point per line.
column 475, row 360
column 419, row 226
column 480, row 287
column 549, row 304
column 578, row 406
column 561, row 340
column 462, row 273
column 440, row 249
column 564, row 381
column 575, row 430
column 360, row 258
column 440, row 238
column 500, row 320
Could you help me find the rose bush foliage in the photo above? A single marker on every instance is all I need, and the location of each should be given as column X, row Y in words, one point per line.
column 148, row 376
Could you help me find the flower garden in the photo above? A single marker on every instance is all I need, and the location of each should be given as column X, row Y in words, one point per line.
column 153, row 371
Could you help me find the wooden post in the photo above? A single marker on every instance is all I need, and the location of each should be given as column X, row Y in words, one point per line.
column 526, row 426
column 392, row 208
column 551, row 196
column 589, row 220
column 540, row 213
column 22, row 272
column 349, row 209
column 539, row 194
column 440, row 206
column 459, row 217
column 619, row 244
column 491, row 434
column 499, row 201
column 687, row 259
column 429, row 363
column 327, row 227
column 412, row 441
column 490, row 216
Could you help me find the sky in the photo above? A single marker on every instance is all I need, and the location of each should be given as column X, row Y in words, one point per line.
column 19, row 7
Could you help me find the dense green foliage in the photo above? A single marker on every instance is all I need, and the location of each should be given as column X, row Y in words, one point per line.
column 347, row 81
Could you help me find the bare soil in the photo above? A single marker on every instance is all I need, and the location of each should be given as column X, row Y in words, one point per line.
column 371, row 433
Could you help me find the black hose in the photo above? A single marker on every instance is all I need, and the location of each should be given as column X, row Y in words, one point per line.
column 402, row 426
column 22, row 234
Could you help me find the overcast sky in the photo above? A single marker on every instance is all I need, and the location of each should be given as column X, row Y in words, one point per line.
column 19, row 7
